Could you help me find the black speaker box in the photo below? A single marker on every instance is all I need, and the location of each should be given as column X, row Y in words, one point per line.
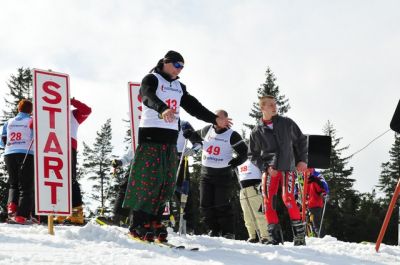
column 395, row 123
column 319, row 151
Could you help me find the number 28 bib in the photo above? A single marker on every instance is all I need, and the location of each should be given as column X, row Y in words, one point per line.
column 18, row 135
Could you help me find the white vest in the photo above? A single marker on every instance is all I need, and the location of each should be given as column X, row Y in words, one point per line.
column 19, row 136
column 170, row 93
column 248, row 170
column 217, row 149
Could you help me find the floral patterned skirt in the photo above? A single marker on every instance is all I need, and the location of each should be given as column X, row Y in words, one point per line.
column 152, row 177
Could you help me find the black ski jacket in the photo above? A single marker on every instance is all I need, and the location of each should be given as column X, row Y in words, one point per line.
column 281, row 147
column 189, row 103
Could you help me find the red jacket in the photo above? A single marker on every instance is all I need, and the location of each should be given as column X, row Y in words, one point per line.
column 314, row 195
column 79, row 115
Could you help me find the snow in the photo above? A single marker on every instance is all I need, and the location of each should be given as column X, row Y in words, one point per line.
column 94, row 244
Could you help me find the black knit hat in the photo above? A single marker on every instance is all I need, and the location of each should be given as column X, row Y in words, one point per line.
column 173, row 56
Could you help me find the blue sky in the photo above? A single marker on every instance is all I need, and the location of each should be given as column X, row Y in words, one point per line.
column 334, row 60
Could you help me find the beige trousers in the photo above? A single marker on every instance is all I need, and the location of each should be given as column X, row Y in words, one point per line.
column 251, row 207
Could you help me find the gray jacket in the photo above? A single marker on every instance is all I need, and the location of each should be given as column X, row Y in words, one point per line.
column 281, row 147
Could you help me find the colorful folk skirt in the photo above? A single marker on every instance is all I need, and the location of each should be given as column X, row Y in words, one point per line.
column 152, row 177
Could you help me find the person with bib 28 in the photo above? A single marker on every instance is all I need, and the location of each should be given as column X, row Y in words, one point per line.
column 251, row 200
column 153, row 170
column 278, row 148
column 17, row 137
column 217, row 163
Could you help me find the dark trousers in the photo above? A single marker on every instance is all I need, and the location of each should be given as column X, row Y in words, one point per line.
column 215, row 204
column 21, row 182
column 183, row 175
column 76, row 189
column 317, row 215
column 118, row 210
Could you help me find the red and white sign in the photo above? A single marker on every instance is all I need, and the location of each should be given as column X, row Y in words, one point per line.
column 135, row 111
column 52, row 143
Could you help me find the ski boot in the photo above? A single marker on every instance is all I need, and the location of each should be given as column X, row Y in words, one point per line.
column 143, row 232
column 160, row 231
column 275, row 234
column 59, row 219
column 214, row 233
column 228, row 235
column 11, row 209
column 20, row 220
column 252, row 240
column 76, row 218
column 299, row 233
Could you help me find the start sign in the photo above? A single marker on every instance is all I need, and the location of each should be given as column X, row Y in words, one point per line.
column 52, row 143
column 135, row 111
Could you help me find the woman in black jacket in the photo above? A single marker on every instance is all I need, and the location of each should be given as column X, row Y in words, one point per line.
column 153, row 170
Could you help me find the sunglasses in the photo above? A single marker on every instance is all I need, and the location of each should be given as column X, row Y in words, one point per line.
column 178, row 65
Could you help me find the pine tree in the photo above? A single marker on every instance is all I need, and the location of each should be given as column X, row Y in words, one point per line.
column 390, row 173
column 388, row 179
column 97, row 163
column 269, row 88
column 343, row 199
column 20, row 87
column 370, row 214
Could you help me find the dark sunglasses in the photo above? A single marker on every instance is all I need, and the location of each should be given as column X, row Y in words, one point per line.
column 178, row 65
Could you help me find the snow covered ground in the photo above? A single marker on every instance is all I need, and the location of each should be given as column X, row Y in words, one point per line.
column 93, row 244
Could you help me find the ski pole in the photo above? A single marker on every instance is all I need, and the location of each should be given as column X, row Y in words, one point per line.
column 26, row 155
column 322, row 219
column 253, row 218
column 183, row 201
column 181, row 159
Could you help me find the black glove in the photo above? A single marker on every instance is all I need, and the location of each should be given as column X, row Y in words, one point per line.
column 188, row 133
column 116, row 163
column 234, row 163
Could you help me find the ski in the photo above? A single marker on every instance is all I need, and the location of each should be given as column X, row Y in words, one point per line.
column 103, row 221
column 161, row 244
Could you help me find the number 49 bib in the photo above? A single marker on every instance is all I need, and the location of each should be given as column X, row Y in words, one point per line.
column 217, row 149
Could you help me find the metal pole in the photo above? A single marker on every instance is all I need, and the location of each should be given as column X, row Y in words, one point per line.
column 183, row 201
column 322, row 220
column 26, row 155
column 180, row 160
